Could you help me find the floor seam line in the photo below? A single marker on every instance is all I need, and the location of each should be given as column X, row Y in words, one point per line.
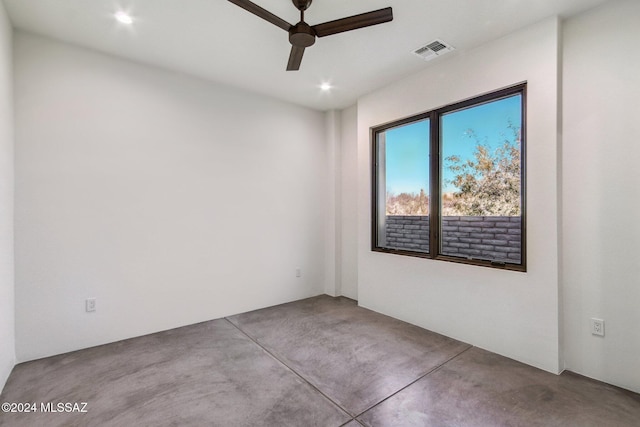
column 435, row 368
column 254, row 340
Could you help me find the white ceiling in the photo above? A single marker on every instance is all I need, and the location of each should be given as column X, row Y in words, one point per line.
column 218, row 41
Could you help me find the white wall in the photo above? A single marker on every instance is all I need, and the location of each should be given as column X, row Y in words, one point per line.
column 332, row 261
column 169, row 199
column 7, row 326
column 601, row 192
column 349, row 202
column 510, row 313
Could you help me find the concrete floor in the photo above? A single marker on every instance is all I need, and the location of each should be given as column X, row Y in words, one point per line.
column 317, row 362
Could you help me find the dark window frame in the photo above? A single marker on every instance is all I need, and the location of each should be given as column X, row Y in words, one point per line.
column 435, row 179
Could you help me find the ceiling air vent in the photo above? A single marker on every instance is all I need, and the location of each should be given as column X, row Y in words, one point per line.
column 432, row 50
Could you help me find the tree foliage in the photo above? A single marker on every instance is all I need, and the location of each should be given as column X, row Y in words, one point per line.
column 408, row 203
column 489, row 183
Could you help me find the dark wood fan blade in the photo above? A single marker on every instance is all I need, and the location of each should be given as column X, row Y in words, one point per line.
column 354, row 22
column 262, row 13
column 295, row 58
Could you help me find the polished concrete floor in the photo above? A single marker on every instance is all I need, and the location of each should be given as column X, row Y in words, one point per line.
column 317, row 362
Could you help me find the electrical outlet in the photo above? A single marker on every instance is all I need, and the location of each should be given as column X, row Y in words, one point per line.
column 597, row 327
column 90, row 304
column 298, row 272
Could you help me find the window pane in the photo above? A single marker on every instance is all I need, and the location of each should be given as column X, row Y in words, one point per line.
column 402, row 159
column 481, row 181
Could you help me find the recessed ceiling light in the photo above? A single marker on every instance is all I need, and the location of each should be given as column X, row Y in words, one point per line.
column 123, row 17
column 325, row 87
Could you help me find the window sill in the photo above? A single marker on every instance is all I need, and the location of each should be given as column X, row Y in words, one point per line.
column 475, row 262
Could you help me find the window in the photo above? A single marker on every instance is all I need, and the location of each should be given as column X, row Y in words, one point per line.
column 449, row 184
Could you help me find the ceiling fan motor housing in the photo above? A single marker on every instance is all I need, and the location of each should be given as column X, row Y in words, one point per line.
column 302, row 35
column 302, row 4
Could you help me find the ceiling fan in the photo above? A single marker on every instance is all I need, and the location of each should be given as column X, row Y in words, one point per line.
column 302, row 35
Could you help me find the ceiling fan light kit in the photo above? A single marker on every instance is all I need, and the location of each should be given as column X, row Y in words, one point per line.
column 303, row 35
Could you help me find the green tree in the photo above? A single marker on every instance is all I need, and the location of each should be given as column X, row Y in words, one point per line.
column 489, row 183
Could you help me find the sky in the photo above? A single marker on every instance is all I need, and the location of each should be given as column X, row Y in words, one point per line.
column 407, row 147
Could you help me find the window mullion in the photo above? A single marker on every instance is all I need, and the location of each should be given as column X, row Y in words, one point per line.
column 434, row 180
